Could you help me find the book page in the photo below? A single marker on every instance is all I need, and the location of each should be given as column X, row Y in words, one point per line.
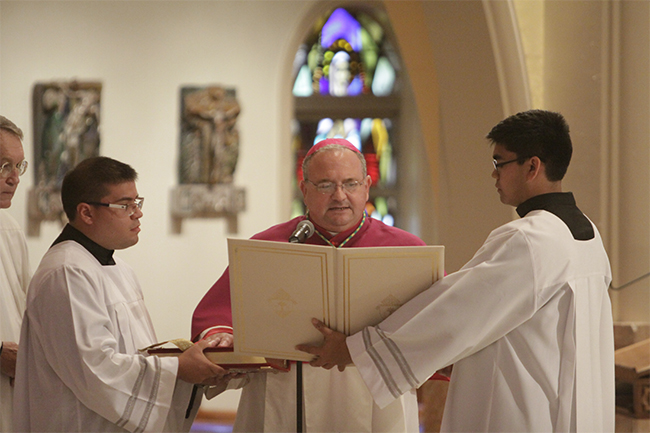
column 276, row 288
column 374, row 282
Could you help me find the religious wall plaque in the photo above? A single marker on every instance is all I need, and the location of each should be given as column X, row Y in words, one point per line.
column 209, row 150
column 66, row 118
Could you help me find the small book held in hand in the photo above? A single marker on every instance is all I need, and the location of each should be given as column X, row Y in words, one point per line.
column 222, row 356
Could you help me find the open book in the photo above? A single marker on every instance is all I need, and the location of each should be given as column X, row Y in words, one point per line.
column 276, row 288
column 223, row 356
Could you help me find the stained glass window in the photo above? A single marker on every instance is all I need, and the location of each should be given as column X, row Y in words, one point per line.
column 346, row 56
column 345, row 75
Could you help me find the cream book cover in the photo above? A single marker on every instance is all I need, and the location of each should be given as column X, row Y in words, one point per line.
column 276, row 288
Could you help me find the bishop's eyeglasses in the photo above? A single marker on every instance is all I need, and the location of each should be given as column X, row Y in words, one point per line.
column 331, row 187
column 128, row 208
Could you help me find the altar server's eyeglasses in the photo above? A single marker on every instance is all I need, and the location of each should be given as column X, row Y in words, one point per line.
column 331, row 187
column 498, row 165
column 8, row 168
column 129, row 208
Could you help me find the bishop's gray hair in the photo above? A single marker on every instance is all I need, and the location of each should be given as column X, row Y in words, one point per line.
column 305, row 162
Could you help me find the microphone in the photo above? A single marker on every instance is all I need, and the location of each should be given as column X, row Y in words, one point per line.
column 303, row 230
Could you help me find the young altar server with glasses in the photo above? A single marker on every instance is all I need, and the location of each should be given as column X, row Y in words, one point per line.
column 79, row 369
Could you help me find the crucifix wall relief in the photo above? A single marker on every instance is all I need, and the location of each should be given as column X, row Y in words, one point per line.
column 209, row 149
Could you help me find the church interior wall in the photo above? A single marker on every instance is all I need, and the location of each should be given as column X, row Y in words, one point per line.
column 632, row 161
column 596, row 57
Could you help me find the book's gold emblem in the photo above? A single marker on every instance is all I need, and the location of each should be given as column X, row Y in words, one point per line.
column 282, row 303
column 388, row 305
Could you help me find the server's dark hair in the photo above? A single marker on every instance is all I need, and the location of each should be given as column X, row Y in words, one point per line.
column 89, row 181
column 540, row 133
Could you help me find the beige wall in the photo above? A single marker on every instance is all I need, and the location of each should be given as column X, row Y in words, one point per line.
column 596, row 58
column 447, row 52
column 631, row 159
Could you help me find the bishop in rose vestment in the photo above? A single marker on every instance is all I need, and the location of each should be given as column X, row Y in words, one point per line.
column 333, row 400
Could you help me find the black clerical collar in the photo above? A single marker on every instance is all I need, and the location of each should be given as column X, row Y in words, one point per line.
column 563, row 206
column 103, row 256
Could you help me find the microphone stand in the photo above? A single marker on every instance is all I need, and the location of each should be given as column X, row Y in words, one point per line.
column 299, row 396
column 306, row 231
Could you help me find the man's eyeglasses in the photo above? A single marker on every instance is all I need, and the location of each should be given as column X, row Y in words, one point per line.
column 8, row 167
column 498, row 165
column 129, row 208
column 331, row 187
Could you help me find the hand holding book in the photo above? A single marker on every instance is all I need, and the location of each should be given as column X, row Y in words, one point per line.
column 224, row 357
column 333, row 352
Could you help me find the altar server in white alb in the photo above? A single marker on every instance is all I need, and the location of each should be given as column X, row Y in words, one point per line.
column 526, row 322
column 14, row 264
column 78, row 366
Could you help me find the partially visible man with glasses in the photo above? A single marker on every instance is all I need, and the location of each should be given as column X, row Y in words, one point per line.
column 335, row 190
column 79, row 369
column 14, row 264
